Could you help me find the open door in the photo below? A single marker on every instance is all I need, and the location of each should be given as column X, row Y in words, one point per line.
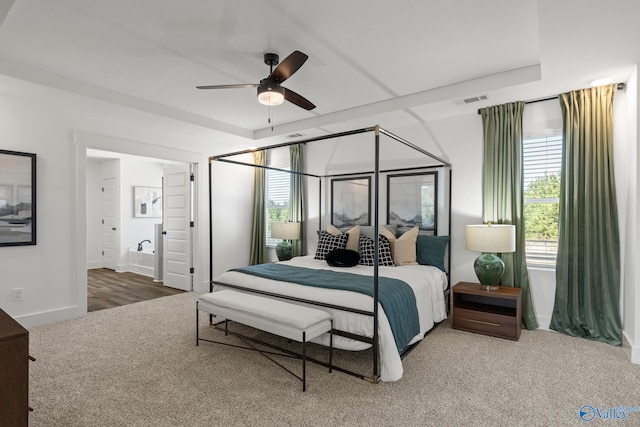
column 176, row 207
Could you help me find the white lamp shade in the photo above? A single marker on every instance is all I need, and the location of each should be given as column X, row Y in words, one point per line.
column 491, row 238
column 285, row 230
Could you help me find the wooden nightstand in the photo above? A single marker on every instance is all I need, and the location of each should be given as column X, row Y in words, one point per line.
column 496, row 313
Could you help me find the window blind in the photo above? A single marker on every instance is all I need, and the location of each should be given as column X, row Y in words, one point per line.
column 277, row 203
column 542, row 164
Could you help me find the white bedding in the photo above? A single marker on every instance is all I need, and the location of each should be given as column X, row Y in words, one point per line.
column 427, row 282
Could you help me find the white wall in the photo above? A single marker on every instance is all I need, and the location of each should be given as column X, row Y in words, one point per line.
column 231, row 214
column 462, row 138
column 136, row 172
column 45, row 271
column 631, row 285
column 458, row 140
column 59, row 127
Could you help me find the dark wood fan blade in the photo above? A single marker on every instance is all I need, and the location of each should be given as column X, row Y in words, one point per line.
column 299, row 100
column 240, row 86
column 290, row 65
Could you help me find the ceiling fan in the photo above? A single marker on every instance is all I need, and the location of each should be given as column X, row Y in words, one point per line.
column 270, row 92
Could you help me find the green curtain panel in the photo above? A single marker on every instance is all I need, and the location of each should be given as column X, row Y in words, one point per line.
column 296, row 207
column 502, row 192
column 258, row 226
column 587, row 302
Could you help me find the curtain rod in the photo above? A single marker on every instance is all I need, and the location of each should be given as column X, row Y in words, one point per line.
column 619, row 86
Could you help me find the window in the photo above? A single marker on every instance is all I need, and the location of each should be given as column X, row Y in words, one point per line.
column 542, row 163
column 277, row 204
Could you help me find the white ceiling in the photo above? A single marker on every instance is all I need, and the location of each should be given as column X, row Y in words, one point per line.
column 395, row 63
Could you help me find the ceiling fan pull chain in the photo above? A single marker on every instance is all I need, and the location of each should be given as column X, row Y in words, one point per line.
column 269, row 120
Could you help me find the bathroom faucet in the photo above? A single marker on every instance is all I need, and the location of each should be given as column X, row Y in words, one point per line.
column 140, row 244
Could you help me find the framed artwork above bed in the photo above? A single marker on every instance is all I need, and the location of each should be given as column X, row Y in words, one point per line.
column 351, row 201
column 413, row 201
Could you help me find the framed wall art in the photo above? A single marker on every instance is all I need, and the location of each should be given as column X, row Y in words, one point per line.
column 17, row 198
column 147, row 202
column 351, row 201
column 412, row 201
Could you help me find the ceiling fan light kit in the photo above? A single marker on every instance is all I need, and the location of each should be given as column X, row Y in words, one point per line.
column 270, row 92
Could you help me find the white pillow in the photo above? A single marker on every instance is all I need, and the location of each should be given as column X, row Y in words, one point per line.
column 404, row 251
column 390, row 236
column 354, row 236
column 383, row 231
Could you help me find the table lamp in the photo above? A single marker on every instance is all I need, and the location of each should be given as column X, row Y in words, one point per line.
column 285, row 231
column 490, row 239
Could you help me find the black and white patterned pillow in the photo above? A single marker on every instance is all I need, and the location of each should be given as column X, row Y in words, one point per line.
column 328, row 242
column 368, row 250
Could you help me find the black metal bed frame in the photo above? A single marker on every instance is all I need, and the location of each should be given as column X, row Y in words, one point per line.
column 373, row 341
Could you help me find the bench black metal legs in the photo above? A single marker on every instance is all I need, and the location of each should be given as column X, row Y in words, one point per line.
column 280, row 350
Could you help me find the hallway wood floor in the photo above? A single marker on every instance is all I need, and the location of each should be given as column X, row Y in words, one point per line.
column 108, row 289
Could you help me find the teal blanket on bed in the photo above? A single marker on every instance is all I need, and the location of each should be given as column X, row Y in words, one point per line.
column 395, row 296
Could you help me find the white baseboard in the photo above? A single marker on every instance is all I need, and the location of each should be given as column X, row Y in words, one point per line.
column 28, row 321
column 202, row 287
column 141, row 269
column 633, row 352
column 122, row 268
column 94, row 264
column 543, row 322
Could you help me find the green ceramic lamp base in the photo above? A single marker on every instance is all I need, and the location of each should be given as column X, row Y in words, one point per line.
column 489, row 269
column 284, row 250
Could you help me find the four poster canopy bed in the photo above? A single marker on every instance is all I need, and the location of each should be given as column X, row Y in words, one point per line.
column 383, row 290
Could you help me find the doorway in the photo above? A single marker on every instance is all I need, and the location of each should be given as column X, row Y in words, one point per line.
column 124, row 243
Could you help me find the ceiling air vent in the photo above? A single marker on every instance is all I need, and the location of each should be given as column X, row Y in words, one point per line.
column 294, row 135
column 472, row 99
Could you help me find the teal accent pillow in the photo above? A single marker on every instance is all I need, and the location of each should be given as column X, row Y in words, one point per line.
column 430, row 250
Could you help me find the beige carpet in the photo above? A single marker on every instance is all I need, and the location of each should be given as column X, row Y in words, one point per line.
column 138, row 365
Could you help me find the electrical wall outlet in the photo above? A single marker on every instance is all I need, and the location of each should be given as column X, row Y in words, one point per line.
column 17, row 294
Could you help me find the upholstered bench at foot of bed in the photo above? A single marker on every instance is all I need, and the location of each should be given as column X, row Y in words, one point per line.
column 277, row 317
